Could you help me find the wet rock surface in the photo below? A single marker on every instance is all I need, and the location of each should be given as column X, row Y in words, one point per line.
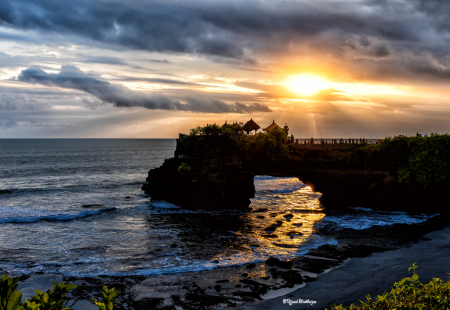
column 235, row 286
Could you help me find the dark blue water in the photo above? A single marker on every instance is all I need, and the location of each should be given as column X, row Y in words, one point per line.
column 74, row 206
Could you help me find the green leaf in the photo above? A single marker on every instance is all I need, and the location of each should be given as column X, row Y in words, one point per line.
column 104, row 296
column 70, row 286
column 14, row 301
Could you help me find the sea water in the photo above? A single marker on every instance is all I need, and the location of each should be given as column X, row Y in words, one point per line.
column 75, row 207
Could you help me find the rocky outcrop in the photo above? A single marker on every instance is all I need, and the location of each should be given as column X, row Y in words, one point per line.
column 342, row 172
column 217, row 177
column 220, row 182
column 346, row 176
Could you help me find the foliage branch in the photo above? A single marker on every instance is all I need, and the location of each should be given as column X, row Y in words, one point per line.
column 54, row 299
column 408, row 293
column 425, row 160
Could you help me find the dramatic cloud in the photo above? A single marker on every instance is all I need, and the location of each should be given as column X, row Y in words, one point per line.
column 386, row 65
column 401, row 32
column 71, row 77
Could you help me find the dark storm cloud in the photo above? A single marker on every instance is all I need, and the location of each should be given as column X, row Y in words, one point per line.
column 242, row 31
column 222, row 29
column 71, row 77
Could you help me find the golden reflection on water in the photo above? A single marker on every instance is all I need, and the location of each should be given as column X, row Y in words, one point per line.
column 280, row 224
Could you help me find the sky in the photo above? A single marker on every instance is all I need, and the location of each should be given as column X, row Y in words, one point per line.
column 154, row 69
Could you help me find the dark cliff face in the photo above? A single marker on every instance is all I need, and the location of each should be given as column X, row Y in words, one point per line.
column 209, row 178
column 217, row 177
column 346, row 176
column 342, row 172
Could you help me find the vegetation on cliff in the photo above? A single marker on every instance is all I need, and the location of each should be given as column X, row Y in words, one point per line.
column 263, row 149
column 210, row 141
column 408, row 293
column 425, row 160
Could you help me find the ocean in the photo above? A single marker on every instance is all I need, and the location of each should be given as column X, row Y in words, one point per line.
column 75, row 207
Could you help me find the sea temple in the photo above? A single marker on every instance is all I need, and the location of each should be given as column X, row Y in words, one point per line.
column 214, row 166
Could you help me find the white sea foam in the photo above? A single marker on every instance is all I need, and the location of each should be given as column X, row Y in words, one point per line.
column 161, row 206
column 29, row 216
column 364, row 221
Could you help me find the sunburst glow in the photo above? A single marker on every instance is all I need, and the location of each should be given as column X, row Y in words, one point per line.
column 307, row 84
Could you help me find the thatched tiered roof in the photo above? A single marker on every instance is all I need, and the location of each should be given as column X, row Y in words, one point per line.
column 250, row 126
column 271, row 127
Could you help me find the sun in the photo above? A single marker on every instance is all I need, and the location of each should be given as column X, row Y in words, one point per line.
column 307, row 84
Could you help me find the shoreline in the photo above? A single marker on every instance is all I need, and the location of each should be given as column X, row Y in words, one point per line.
column 242, row 286
column 370, row 275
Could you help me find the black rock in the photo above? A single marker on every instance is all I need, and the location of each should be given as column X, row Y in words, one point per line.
column 284, row 264
column 91, row 206
column 250, row 266
column 217, row 288
column 270, row 236
column 215, row 261
column 272, row 261
column 294, row 233
column 260, row 217
column 288, row 216
column 222, row 281
column 270, row 228
column 173, row 245
column 292, row 277
column 238, row 286
column 128, row 197
column 245, row 274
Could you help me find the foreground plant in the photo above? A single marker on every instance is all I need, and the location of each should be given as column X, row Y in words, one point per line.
column 409, row 293
column 54, row 299
column 108, row 296
column 10, row 298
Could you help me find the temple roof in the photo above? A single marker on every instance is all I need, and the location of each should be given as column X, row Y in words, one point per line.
column 271, row 126
column 250, row 125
